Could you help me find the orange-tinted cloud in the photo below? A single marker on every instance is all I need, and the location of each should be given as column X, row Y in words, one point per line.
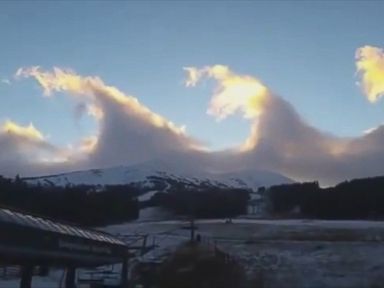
column 279, row 140
column 233, row 92
column 94, row 89
column 129, row 132
column 370, row 66
column 24, row 150
column 29, row 131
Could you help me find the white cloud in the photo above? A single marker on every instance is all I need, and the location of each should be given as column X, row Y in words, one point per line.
column 128, row 131
column 6, row 81
column 279, row 140
column 24, row 149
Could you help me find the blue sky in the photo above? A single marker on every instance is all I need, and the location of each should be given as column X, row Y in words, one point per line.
column 304, row 51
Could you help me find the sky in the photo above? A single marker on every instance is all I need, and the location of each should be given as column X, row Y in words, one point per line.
column 303, row 52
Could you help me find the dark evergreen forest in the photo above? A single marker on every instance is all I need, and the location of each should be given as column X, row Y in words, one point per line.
column 355, row 199
column 77, row 204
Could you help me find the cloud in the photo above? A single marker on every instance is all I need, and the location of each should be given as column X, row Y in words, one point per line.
column 370, row 66
column 94, row 90
column 6, row 81
column 29, row 131
column 128, row 132
column 233, row 92
column 25, row 149
column 280, row 140
column 80, row 110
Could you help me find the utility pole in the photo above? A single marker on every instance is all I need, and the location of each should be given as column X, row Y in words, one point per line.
column 192, row 210
column 192, row 227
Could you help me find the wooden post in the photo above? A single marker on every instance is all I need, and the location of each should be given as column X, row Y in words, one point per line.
column 143, row 250
column 124, row 274
column 70, row 277
column 26, row 276
column 192, row 224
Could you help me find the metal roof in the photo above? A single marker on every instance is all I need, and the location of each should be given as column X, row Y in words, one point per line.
column 13, row 217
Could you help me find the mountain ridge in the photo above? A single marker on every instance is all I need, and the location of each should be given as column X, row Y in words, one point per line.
column 146, row 174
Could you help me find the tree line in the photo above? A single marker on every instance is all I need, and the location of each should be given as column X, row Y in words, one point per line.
column 85, row 205
column 202, row 201
column 355, row 199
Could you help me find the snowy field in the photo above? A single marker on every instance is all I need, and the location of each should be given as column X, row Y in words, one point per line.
column 285, row 253
column 54, row 280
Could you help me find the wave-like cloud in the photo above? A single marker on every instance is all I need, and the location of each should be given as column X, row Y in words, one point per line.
column 128, row 133
column 93, row 89
column 279, row 140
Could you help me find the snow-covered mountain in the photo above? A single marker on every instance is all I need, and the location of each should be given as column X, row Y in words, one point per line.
column 151, row 173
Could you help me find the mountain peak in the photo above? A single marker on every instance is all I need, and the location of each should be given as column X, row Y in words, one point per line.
column 145, row 173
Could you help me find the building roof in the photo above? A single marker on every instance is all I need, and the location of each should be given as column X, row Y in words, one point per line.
column 41, row 240
column 53, row 226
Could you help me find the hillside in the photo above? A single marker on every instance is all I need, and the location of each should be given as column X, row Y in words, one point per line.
column 153, row 174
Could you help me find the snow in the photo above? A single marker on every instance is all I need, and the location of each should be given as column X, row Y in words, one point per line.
column 142, row 174
column 53, row 280
column 251, row 178
column 288, row 253
column 109, row 176
column 298, row 253
column 147, row 196
column 153, row 214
